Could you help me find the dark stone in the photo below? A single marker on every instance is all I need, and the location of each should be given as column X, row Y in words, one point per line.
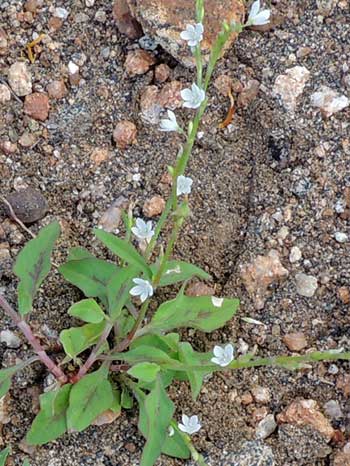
column 28, row 204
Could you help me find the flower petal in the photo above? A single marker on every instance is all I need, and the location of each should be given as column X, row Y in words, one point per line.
column 218, row 351
column 186, row 94
column 262, row 18
column 254, row 9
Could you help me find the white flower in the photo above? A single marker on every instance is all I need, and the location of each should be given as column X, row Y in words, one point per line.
column 171, row 431
column 183, row 185
column 190, row 425
column 257, row 17
column 223, row 355
column 143, row 230
column 170, row 123
column 143, row 289
column 193, row 97
column 217, row 302
column 193, row 34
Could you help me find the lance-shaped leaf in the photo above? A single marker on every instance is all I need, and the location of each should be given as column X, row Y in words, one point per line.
column 205, row 313
column 191, row 358
column 50, row 423
column 145, row 353
column 118, row 289
column 3, row 455
column 178, row 271
column 89, row 398
column 167, row 343
column 33, row 264
column 172, row 446
column 78, row 253
column 77, row 339
column 90, row 276
column 87, row 310
column 124, row 250
column 159, row 411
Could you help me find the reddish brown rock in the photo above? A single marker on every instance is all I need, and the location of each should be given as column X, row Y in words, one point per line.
column 31, row 5
column 57, row 89
column 223, row 84
column 249, row 93
column 138, row 62
column 199, row 289
column 260, row 274
column 170, row 95
column 150, row 108
column 162, row 73
column 107, row 417
column 99, row 155
column 37, row 106
column 126, row 23
column 306, row 413
column 165, row 20
column 8, row 147
column 295, row 341
column 154, row 206
column 55, row 23
column 344, row 294
column 124, row 134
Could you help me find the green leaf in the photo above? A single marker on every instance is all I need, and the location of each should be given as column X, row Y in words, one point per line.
column 126, row 323
column 50, row 423
column 90, row 276
column 159, row 411
column 126, row 400
column 33, row 264
column 26, row 462
column 87, row 310
column 167, row 343
column 144, row 371
column 145, row 353
column 204, row 313
column 172, row 446
column 6, row 377
column 77, row 339
column 179, row 271
column 189, row 357
column 116, row 406
column 89, row 398
column 3, row 455
column 78, row 253
column 118, row 289
column 124, row 250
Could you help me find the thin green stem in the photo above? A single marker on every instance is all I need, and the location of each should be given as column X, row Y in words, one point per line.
column 127, row 340
column 199, row 64
column 166, row 256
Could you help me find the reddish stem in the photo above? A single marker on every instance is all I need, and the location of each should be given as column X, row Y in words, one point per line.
column 94, row 353
column 34, row 342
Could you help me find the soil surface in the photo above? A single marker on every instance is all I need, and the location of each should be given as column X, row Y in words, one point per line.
column 272, row 180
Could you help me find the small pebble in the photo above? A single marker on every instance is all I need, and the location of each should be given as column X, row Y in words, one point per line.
column 61, row 13
column 333, row 369
column 266, row 427
column 295, row 341
column 73, row 68
column 20, row 79
column 306, row 284
column 199, row 289
column 332, row 409
column 162, row 73
column 37, row 106
column 261, row 394
column 344, row 294
column 295, row 254
column 28, row 204
column 329, row 101
column 5, row 94
column 138, row 62
column 27, row 139
column 124, row 134
column 341, row 237
column 10, row 339
column 154, row 206
column 57, row 89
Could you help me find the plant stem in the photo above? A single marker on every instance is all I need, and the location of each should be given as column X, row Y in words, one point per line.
column 34, row 342
column 197, row 457
column 167, row 254
column 126, row 342
column 94, row 353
